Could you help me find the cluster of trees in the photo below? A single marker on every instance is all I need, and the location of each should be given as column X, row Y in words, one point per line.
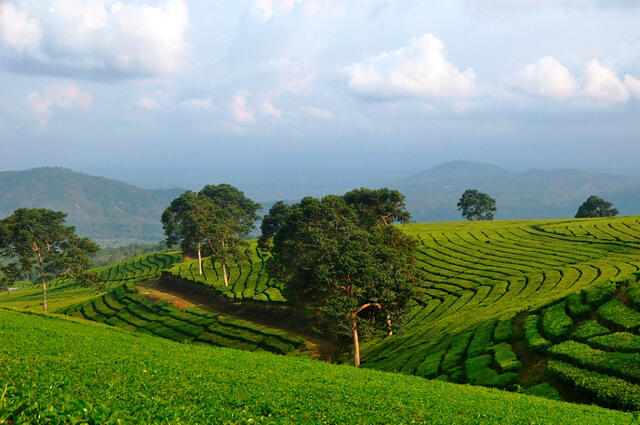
column 37, row 239
column 214, row 220
column 344, row 267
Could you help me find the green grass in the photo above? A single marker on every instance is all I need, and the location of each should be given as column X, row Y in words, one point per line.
column 57, row 371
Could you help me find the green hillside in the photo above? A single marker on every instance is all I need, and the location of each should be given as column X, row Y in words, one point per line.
column 64, row 372
column 108, row 211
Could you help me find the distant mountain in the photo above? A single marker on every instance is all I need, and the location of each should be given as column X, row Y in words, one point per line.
column 108, row 211
column 433, row 194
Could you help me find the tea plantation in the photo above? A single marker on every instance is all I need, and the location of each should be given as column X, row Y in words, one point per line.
column 58, row 371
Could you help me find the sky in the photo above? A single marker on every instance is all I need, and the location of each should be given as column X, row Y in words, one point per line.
column 175, row 93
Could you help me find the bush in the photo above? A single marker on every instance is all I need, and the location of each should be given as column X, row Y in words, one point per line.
column 610, row 391
column 619, row 341
column 620, row 315
column 633, row 292
column 534, row 340
column 456, row 351
column 481, row 339
column 429, row 366
column 601, row 293
column 590, row 329
column 626, row 365
column 505, row 358
column 503, row 331
column 544, row 390
column 575, row 307
column 555, row 322
column 479, row 372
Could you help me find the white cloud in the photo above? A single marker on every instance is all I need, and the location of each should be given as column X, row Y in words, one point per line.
column 603, row 84
column 64, row 95
column 239, row 109
column 106, row 37
column 317, row 112
column 267, row 108
column 265, row 9
column 196, row 103
column 548, row 78
column 419, row 70
column 17, row 31
column 147, row 103
column 633, row 85
column 294, row 76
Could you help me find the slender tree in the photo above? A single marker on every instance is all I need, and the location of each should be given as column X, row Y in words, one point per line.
column 38, row 238
column 596, row 207
column 272, row 222
column 187, row 220
column 235, row 217
column 339, row 273
column 476, row 205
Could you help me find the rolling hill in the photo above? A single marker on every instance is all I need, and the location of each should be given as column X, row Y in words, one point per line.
column 433, row 194
column 108, row 211
column 69, row 371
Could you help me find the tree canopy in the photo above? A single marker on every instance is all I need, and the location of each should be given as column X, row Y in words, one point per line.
column 476, row 205
column 339, row 273
column 217, row 217
column 38, row 238
column 596, row 207
column 380, row 206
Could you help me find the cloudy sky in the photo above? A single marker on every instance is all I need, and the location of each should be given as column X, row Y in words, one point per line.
column 163, row 90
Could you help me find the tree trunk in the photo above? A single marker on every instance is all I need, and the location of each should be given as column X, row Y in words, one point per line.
column 389, row 327
column 356, row 345
column 224, row 275
column 199, row 260
column 44, row 294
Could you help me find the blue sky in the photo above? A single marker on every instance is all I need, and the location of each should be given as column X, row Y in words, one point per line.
column 167, row 91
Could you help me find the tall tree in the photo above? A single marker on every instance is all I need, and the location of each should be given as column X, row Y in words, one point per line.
column 235, row 217
column 476, row 205
column 188, row 220
column 272, row 222
column 38, row 238
column 380, row 206
column 596, row 207
column 338, row 272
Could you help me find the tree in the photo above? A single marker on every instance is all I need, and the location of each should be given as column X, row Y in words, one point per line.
column 235, row 217
column 338, row 273
column 596, row 207
column 476, row 205
column 38, row 238
column 272, row 222
column 381, row 206
column 187, row 220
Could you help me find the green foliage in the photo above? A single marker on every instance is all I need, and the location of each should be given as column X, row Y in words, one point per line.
column 271, row 223
column 505, row 358
column 623, row 365
column 619, row 341
column 481, row 340
column 598, row 294
column 596, row 207
column 456, row 351
column 555, row 322
column 633, row 292
column 338, row 272
column 589, row 329
column 575, row 307
column 607, row 390
column 119, row 254
column 544, row 390
column 475, row 205
column 620, row 315
column 503, row 331
column 532, row 336
column 479, row 372
column 430, row 365
column 378, row 207
column 97, row 375
column 38, row 239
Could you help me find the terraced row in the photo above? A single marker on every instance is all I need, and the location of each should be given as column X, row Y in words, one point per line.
column 470, row 273
column 248, row 279
column 124, row 307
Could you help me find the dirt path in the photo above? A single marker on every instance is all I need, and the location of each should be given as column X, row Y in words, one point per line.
column 154, row 291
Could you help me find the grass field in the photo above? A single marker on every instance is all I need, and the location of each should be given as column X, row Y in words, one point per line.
column 58, row 371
